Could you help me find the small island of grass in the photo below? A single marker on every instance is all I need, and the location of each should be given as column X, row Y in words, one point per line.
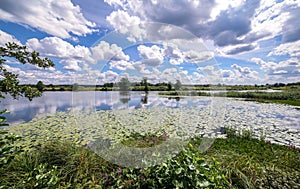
column 287, row 95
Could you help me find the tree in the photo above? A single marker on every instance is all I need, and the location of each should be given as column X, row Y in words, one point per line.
column 108, row 85
column 177, row 85
column 75, row 87
column 52, row 87
column 9, row 84
column 169, row 86
column 124, row 84
column 40, row 86
column 145, row 84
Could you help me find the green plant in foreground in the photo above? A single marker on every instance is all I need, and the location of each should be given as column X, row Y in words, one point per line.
column 78, row 167
column 254, row 163
column 188, row 170
column 239, row 161
column 7, row 149
column 43, row 178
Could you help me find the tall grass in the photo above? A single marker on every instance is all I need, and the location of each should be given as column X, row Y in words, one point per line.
column 285, row 97
column 238, row 161
column 59, row 164
column 254, row 163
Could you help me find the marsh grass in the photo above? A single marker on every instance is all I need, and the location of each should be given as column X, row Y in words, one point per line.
column 76, row 167
column 291, row 97
column 254, row 163
column 238, row 161
column 60, row 164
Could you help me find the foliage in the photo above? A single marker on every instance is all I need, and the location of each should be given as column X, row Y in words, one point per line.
column 292, row 95
column 124, row 84
column 42, row 177
column 169, row 86
column 75, row 87
column 145, row 84
column 9, row 82
column 254, row 163
column 285, row 97
column 188, row 170
column 40, row 86
column 60, row 164
column 237, row 162
column 177, row 85
column 7, row 149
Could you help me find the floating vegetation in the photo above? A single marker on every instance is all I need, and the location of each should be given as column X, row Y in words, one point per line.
column 152, row 146
column 273, row 122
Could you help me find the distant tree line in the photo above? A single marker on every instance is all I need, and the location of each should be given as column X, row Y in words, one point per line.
column 143, row 85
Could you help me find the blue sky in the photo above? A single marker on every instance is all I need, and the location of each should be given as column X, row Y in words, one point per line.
column 195, row 41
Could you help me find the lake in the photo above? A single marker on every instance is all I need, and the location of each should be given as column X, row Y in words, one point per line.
column 278, row 123
column 23, row 110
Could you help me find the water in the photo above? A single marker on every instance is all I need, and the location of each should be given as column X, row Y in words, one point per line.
column 23, row 110
column 194, row 115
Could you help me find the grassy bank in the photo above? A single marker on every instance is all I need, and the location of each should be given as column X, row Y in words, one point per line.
column 61, row 164
column 284, row 97
column 234, row 162
column 253, row 163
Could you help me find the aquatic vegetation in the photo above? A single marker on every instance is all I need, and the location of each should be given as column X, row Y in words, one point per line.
column 284, row 97
column 278, row 126
column 91, row 149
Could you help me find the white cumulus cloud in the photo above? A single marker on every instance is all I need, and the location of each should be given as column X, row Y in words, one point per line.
column 55, row 47
column 291, row 48
column 126, row 24
column 105, row 51
column 59, row 18
column 5, row 38
column 151, row 56
column 121, row 65
column 58, row 48
column 196, row 57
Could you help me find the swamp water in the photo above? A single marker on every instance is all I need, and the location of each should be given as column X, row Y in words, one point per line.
column 88, row 116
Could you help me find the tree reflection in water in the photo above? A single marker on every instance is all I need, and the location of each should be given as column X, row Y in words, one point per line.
column 124, row 96
column 144, row 99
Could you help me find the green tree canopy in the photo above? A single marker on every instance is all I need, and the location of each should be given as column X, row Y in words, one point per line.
column 9, row 82
column 169, row 86
column 40, row 86
column 75, row 87
column 177, row 85
column 145, row 84
column 124, row 84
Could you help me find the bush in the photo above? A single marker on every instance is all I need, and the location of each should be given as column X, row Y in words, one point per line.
column 188, row 170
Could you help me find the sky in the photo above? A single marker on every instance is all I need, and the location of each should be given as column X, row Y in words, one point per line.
column 93, row 42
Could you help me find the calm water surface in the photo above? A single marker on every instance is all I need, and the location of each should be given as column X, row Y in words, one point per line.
column 23, row 110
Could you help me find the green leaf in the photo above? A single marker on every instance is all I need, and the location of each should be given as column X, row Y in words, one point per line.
column 203, row 184
column 192, row 167
column 179, row 170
